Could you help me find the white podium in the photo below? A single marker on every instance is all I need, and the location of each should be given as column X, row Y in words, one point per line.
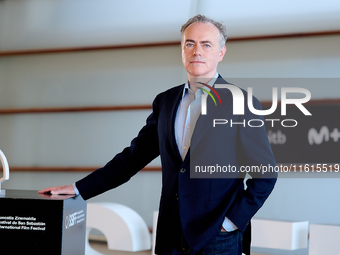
column 324, row 240
column 279, row 234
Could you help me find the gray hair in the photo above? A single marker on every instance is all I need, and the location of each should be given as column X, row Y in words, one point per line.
column 203, row 19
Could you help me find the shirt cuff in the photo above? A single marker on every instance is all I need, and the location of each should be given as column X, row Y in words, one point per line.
column 228, row 225
column 75, row 189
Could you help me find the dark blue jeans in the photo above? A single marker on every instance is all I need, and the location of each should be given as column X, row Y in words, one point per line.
column 225, row 243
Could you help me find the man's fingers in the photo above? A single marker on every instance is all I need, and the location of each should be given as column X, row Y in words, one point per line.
column 59, row 190
column 47, row 190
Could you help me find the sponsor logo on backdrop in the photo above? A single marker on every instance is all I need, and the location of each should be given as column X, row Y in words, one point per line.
column 324, row 135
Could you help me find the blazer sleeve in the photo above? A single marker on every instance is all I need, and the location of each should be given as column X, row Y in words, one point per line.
column 142, row 150
column 254, row 150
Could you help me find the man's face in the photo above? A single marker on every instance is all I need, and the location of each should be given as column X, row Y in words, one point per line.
column 201, row 50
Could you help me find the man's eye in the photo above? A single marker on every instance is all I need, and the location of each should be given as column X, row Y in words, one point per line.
column 206, row 46
column 189, row 44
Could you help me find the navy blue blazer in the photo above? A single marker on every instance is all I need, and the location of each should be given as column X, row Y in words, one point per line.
column 202, row 202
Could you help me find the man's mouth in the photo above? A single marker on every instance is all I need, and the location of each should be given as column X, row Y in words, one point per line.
column 196, row 62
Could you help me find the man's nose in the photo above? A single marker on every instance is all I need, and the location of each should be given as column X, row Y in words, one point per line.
column 197, row 50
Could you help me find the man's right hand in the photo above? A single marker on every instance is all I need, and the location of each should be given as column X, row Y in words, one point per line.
column 59, row 190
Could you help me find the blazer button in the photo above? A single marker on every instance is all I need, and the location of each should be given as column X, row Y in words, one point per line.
column 183, row 170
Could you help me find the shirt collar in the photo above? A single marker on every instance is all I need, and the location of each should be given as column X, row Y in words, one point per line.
column 210, row 83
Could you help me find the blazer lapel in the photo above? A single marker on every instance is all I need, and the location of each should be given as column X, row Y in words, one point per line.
column 173, row 106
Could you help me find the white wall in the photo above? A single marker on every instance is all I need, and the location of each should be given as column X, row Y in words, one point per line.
column 135, row 76
column 32, row 24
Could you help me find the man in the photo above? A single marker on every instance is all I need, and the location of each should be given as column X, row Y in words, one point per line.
column 196, row 215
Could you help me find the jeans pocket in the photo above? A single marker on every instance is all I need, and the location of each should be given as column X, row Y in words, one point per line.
column 225, row 243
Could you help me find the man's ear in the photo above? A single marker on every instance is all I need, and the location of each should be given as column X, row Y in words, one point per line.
column 222, row 53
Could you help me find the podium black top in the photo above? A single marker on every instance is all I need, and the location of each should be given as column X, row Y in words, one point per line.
column 31, row 194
